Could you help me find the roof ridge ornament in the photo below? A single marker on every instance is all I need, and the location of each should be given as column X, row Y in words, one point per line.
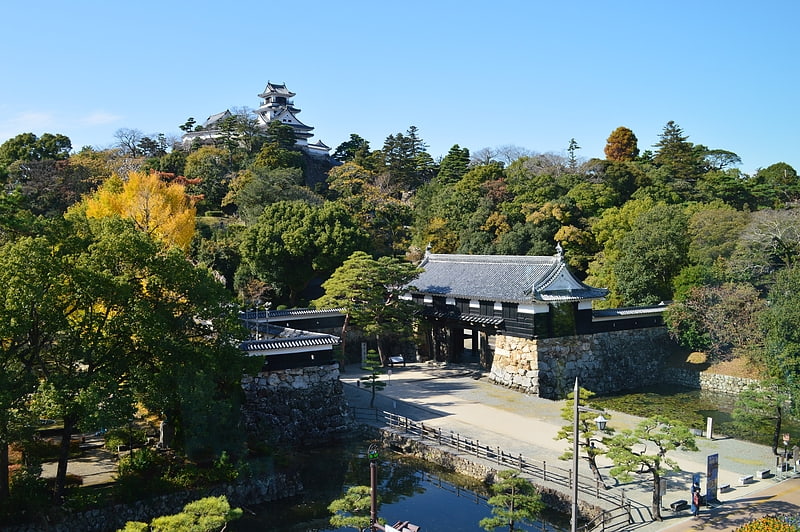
column 559, row 251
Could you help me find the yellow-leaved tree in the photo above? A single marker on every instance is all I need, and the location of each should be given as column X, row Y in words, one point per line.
column 156, row 207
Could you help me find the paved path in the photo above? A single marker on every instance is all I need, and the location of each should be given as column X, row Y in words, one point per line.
column 450, row 398
column 96, row 465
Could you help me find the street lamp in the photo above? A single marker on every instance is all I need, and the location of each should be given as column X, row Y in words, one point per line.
column 372, row 454
column 601, row 425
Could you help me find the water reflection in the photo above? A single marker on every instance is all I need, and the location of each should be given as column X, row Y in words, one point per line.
column 410, row 490
column 692, row 407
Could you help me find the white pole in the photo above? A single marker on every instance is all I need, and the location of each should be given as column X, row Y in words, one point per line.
column 576, row 413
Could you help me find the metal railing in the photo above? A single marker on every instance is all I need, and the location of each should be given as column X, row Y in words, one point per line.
column 533, row 468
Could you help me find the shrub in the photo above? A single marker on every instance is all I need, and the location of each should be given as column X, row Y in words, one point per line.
column 772, row 524
column 124, row 436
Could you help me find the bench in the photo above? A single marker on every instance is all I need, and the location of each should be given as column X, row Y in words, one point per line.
column 678, row 506
column 763, row 473
column 724, row 488
column 745, row 479
column 397, row 360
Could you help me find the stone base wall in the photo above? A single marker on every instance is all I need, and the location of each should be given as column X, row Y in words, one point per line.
column 711, row 382
column 296, row 406
column 603, row 362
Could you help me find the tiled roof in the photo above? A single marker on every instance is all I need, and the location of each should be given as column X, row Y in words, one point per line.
column 304, row 312
column 213, row 119
column 512, row 278
column 286, row 338
column 276, row 88
column 274, row 344
column 630, row 311
column 475, row 319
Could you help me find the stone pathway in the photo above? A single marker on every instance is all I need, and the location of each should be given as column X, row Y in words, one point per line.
column 453, row 399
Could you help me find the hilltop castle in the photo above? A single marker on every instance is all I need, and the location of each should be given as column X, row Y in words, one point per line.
column 277, row 105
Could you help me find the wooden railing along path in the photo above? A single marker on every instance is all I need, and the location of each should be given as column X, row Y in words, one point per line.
column 609, row 519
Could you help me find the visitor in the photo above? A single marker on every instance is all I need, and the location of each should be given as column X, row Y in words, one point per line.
column 695, row 499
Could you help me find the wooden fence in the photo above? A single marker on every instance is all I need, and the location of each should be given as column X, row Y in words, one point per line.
column 535, row 469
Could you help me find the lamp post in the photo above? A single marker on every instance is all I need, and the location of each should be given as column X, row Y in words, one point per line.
column 372, row 453
column 601, row 425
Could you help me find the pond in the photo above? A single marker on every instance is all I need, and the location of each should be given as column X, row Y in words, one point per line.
column 692, row 407
column 411, row 490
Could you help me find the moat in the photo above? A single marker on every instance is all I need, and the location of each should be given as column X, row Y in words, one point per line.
column 410, row 490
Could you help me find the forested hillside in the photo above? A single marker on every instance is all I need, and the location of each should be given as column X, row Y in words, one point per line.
column 676, row 221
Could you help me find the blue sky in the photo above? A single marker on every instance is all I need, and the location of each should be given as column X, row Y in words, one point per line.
column 478, row 74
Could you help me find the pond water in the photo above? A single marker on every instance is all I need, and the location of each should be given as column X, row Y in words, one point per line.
column 411, row 490
column 692, row 407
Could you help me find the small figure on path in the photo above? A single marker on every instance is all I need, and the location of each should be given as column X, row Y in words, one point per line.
column 695, row 499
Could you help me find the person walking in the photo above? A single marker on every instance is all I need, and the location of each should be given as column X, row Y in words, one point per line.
column 695, row 499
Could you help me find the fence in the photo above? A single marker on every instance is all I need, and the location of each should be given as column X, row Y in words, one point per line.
column 533, row 468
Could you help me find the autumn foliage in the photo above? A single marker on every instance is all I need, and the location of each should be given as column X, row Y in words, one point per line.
column 156, row 207
column 769, row 524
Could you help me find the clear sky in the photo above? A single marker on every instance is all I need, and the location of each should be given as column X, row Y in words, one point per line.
column 478, row 74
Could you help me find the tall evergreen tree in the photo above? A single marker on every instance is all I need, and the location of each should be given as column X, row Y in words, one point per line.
column 454, row 165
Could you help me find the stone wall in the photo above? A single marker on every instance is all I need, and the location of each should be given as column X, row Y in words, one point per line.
column 711, row 382
column 480, row 470
column 296, row 406
column 242, row 493
column 604, row 362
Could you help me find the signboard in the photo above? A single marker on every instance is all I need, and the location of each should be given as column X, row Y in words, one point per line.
column 363, row 354
column 712, row 472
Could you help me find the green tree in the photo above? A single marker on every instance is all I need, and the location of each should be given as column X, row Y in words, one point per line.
column 782, row 182
column 514, row 501
column 628, row 451
column 370, row 291
column 588, row 433
column 212, row 166
column 384, row 217
column 761, row 409
column 683, row 163
column 406, row 160
column 210, row 514
column 713, row 231
column 28, row 147
column 572, row 159
column 621, row 145
column 352, row 149
column 374, row 369
column 293, row 241
column 252, row 190
column 454, row 165
column 651, row 255
column 781, row 324
column 609, row 230
column 353, row 509
column 103, row 308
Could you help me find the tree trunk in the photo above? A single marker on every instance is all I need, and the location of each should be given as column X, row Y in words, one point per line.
column 344, row 336
column 656, row 497
column 379, row 342
column 596, row 471
column 63, row 459
column 4, row 490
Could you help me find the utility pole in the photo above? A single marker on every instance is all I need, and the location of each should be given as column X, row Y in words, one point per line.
column 373, row 486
